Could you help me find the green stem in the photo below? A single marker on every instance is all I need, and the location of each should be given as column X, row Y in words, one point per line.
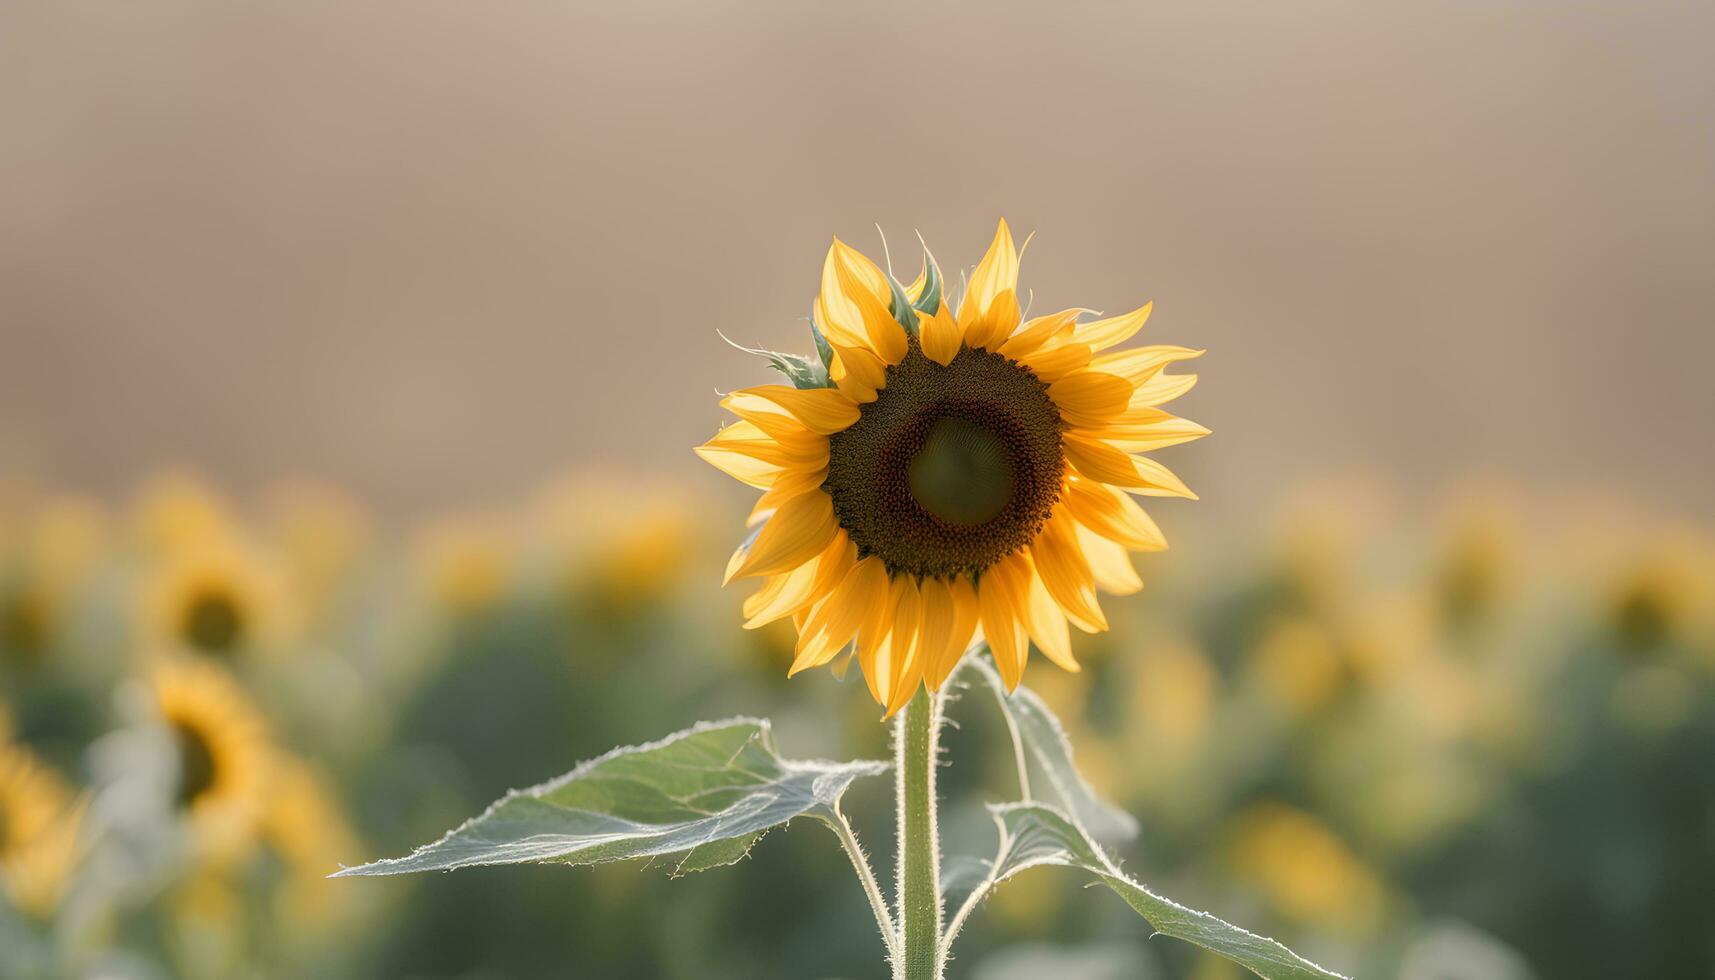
column 919, row 888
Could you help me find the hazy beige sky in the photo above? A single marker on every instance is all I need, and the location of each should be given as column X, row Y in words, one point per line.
column 436, row 252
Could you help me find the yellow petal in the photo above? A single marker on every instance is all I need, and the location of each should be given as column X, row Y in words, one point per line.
column 787, row 484
column 1038, row 331
column 1161, row 389
column 797, row 532
column 989, row 328
column 1105, row 464
column 905, row 649
column 965, row 615
column 1047, row 625
column 874, row 653
column 851, row 604
column 837, row 312
column 935, row 626
column 745, row 439
column 814, row 650
column 1171, row 431
column 851, row 271
column 1102, row 334
column 821, row 410
column 1050, row 364
column 792, row 591
column 1002, row 595
column 1158, row 481
column 1112, row 514
column 941, row 336
column 780, row 596
column 1090, row 397
column 858, row 373
column 1139, row 364
column 742, row 468
column 1110, row 563
column 765, row 415
column 1061, row 566
column 997, row 273
column 834, row 565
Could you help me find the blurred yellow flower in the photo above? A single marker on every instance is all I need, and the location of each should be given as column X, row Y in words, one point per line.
column 320, row 534
column 40, row 826
column 950, row 473
column 465, row 563
column 225, row 760
column 61, row 540
column 215, row 596
column 28, row 617
column 1298, row 666
column 1172, row 702
column 69, row 535
column 1307, row 873
column 620, row 541
column 1668, row 594
column 305, row 828
column 1476, row 569
column 175, row 509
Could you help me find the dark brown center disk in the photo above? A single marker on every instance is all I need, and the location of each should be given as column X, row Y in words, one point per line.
column 951, row 468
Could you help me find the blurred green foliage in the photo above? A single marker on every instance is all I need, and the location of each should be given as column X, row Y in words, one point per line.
column 1456, row 740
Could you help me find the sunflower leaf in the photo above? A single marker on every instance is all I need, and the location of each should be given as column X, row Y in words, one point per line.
column 705, row 794
column 1035, row 835
column 1044, row 738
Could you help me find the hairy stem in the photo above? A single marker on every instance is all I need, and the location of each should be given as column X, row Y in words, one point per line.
column 919, row 887
column 877, row 904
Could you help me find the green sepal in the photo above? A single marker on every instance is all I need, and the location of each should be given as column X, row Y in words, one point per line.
column 802, row 371
column 930, row 301
column 901, row 307
column 823, row 349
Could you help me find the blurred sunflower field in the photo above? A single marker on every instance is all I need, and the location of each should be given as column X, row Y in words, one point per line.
column 1429, row 739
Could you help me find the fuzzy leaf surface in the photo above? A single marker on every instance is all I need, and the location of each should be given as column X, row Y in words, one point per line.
column 705, row 794
column 1035, row 834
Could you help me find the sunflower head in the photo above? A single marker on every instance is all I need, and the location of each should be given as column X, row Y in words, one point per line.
column 939, row 474
column 221, row 750
column 217, row 598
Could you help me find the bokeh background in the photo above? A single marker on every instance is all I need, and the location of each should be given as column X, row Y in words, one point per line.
column 396, row 322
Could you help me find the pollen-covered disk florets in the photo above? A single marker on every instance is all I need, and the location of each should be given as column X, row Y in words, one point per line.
column 937, row 477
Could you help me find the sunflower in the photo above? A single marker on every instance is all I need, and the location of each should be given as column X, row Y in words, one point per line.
column 940, row 474
column 215, row 596
column 39, row 833
column 620, row 540
column 224, row 761
column 307, row 831
column 64, row 541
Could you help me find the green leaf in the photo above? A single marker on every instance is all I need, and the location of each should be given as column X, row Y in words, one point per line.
column 707, row 794
column 930, row 301
column 802, row 371
column 1044, row 738
column 1035, row 835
